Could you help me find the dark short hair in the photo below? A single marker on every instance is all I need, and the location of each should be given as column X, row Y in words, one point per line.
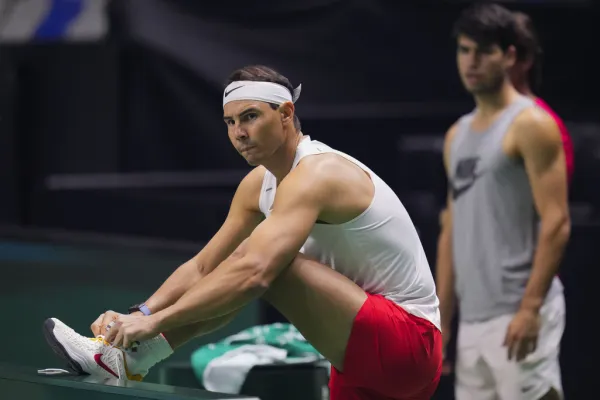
column 528, row 46
column 261, row 73
column 487, row 24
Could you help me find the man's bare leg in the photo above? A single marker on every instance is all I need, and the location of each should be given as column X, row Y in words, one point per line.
column 178, row 337
column 320, row 303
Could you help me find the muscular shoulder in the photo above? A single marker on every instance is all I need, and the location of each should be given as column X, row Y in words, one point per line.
column 450, row 134
column 315, row 174
column 542, row 105
column 248, row 191
column 335, row 187
column 326, row 164
column 535, row 128
column 325, row 175
column 331, row 169
column 253, row 180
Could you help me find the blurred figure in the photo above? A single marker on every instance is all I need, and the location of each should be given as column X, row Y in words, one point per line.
column 506, row 225
column 527, row 74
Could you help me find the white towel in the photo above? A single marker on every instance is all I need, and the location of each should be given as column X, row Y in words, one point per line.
column 227, row 373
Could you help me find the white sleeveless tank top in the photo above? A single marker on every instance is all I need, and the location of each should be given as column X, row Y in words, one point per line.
column 379, row 250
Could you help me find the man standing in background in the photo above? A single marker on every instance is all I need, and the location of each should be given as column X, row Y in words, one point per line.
column 506, row 225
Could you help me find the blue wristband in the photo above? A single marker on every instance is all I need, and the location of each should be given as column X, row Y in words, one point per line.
column 144, row 309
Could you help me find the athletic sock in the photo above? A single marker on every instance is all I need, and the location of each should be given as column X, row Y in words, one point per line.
column 148, row 353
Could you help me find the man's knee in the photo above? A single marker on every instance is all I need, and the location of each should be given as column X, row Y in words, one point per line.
column 287, row 274
column 303, row 269
column 309, row 275
column 300, row 257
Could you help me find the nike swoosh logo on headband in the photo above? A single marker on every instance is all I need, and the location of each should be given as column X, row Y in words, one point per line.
column 227, row 93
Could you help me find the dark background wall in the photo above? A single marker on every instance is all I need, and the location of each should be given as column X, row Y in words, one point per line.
column 379, row 81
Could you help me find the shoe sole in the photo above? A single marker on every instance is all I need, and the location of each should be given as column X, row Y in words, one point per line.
column 58, row 348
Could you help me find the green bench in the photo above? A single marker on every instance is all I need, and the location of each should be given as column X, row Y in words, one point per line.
column 302, row 381
column 25, row 383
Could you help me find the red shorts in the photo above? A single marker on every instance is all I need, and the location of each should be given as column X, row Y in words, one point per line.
column 391, row 354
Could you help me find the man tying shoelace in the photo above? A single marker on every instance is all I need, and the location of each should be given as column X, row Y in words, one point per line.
column 312, row 231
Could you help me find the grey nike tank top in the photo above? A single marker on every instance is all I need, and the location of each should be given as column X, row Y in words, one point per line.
column 495, row 223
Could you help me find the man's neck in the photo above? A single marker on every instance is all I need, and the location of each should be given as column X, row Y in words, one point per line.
column 524, row 88
column 280, row 164
column 489, row 104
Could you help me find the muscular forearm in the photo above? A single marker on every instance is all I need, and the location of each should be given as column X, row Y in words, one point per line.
column 180, row 281
column 445, row 276
column 553, row 238
column 219, row 293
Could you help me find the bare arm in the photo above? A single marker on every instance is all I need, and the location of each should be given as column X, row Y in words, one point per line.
column 242, row 219
column 269, row 249
column 539, row 144
column 444, row 273
column 444, row 268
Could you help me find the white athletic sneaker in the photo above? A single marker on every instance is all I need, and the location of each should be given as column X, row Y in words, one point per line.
column 86, row 355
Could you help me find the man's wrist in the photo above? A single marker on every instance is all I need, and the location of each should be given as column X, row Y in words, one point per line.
column 533, row 304
column 161, row 319
column 142, row 308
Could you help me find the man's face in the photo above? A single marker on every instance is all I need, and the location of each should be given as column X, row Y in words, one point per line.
column 482, row 69
column 254, row 128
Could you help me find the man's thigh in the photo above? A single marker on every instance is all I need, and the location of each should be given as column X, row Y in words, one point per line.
column 373, row 344
column 539, row 372
column 320, row 303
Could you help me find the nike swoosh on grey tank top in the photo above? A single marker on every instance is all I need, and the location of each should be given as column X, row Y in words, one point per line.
column 495, row 224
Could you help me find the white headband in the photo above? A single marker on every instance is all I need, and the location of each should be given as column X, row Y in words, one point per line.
column 263, row 91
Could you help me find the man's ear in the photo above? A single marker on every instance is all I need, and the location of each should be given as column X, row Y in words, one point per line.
column 286, row 110
column 511, row 56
